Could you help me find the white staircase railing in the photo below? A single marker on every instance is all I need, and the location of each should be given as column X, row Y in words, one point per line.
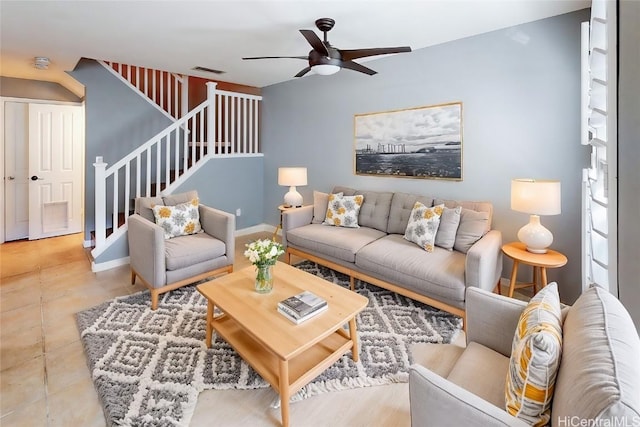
column 225, row 124
column 169, row 92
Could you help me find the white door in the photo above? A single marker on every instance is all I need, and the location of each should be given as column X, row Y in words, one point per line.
column 16, row 167
column 55, row 170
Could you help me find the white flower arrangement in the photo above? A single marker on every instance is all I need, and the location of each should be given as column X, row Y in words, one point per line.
column 263, row 252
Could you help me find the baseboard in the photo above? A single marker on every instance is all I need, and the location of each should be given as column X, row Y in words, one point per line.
column 96, row 268
column 87, row 243
column 255, row 229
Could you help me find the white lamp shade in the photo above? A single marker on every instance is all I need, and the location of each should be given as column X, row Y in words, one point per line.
column 292, row 176
column 539, row 197
column 325, row 69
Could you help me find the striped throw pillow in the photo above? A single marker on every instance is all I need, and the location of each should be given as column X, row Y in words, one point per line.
column 535, row 358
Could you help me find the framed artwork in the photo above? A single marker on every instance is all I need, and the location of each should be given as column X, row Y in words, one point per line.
column 423, row 142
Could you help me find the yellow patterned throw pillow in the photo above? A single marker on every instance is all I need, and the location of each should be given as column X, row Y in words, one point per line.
column 423, row 225
column 178, row 220
column 342, row 211
column 535, row 358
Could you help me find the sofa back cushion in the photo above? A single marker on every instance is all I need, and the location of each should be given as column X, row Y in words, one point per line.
column 599, row 376
column 400, row 211
column 374, row 212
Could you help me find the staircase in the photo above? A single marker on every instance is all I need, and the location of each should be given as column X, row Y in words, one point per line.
column 226, row 124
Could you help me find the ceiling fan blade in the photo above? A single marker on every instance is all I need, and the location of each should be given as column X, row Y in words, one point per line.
column 278, row 57
column 315, row 42
column 357, row 67
column 349, row 54
column 303, row 72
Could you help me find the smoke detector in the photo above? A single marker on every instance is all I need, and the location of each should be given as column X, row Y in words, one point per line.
column 41, row 62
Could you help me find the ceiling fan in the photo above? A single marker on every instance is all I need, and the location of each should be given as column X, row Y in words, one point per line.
column 326, row 59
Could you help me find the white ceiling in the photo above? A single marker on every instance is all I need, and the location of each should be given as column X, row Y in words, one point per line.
column 178, row 35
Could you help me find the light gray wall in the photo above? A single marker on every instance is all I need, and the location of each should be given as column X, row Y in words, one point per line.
column 629, row 157
column 520, row 89
column 35, row 89
column 117, row 121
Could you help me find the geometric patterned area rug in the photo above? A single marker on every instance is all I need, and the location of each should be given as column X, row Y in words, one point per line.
column 148, row 367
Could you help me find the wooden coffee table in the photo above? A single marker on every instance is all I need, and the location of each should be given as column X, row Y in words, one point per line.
column 286, row 355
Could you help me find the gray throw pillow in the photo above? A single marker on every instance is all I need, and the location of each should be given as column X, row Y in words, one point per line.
column 449, row 221
column 473, row 225
column 320, row 203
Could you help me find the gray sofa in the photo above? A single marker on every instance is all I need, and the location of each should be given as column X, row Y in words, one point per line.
column 377, row 253
column 598, row 381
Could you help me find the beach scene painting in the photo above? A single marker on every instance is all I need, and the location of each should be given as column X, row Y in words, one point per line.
column 424, row 142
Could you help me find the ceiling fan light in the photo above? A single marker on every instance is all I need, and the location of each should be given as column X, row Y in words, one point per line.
column 325, row 69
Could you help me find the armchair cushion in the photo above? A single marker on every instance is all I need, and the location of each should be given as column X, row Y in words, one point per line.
column 486, row 383
column 185, row 251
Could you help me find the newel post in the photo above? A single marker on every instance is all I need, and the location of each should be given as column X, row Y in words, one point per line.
column 100, row 201
column 211, row 117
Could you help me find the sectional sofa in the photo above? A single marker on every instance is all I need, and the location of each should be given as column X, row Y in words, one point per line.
column 377, row 252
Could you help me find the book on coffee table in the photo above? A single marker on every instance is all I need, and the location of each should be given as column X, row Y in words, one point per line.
column 301, row 305
column 298, row 320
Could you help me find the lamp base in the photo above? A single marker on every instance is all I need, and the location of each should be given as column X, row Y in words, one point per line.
column 535, row 236
column 293, row 198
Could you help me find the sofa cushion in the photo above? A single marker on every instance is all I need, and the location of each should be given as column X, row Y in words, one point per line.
column 400, row 211
column 599, row 376
column 342, row 211
column 448, row 228
column 336, row 242
column 486, row 383
column 185, row 251
column 535, row 358
column 423, row 225
column 439, row 274
column 473, row 225
column 179, row 220
column 320, row 203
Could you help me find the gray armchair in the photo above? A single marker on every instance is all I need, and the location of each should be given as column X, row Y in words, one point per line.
column 163, row 265
column 598, row 380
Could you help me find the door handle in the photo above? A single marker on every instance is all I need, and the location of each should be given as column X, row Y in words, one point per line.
column 35, row 178
column 11, row 178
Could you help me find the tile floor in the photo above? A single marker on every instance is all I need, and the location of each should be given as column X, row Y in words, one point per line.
column 44, row 380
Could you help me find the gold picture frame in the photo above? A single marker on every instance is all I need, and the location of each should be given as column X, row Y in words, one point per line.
column 421, row 142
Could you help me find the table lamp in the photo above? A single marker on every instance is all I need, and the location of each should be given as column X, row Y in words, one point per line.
column 535, row 197
column 292, row 177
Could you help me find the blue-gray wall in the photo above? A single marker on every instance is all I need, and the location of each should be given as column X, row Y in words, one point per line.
column 520, row 89
column 229, row 184
column 116, row 121
column 629, row 157
column 35, row 89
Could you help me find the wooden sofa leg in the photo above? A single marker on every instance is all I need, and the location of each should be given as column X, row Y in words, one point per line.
column 154, row 299
column 352, row 283
column 287, row 257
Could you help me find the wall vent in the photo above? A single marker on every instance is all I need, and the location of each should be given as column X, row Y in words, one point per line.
column 208, row 70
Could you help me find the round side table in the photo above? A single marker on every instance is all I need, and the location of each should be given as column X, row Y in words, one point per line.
column 517, row 251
